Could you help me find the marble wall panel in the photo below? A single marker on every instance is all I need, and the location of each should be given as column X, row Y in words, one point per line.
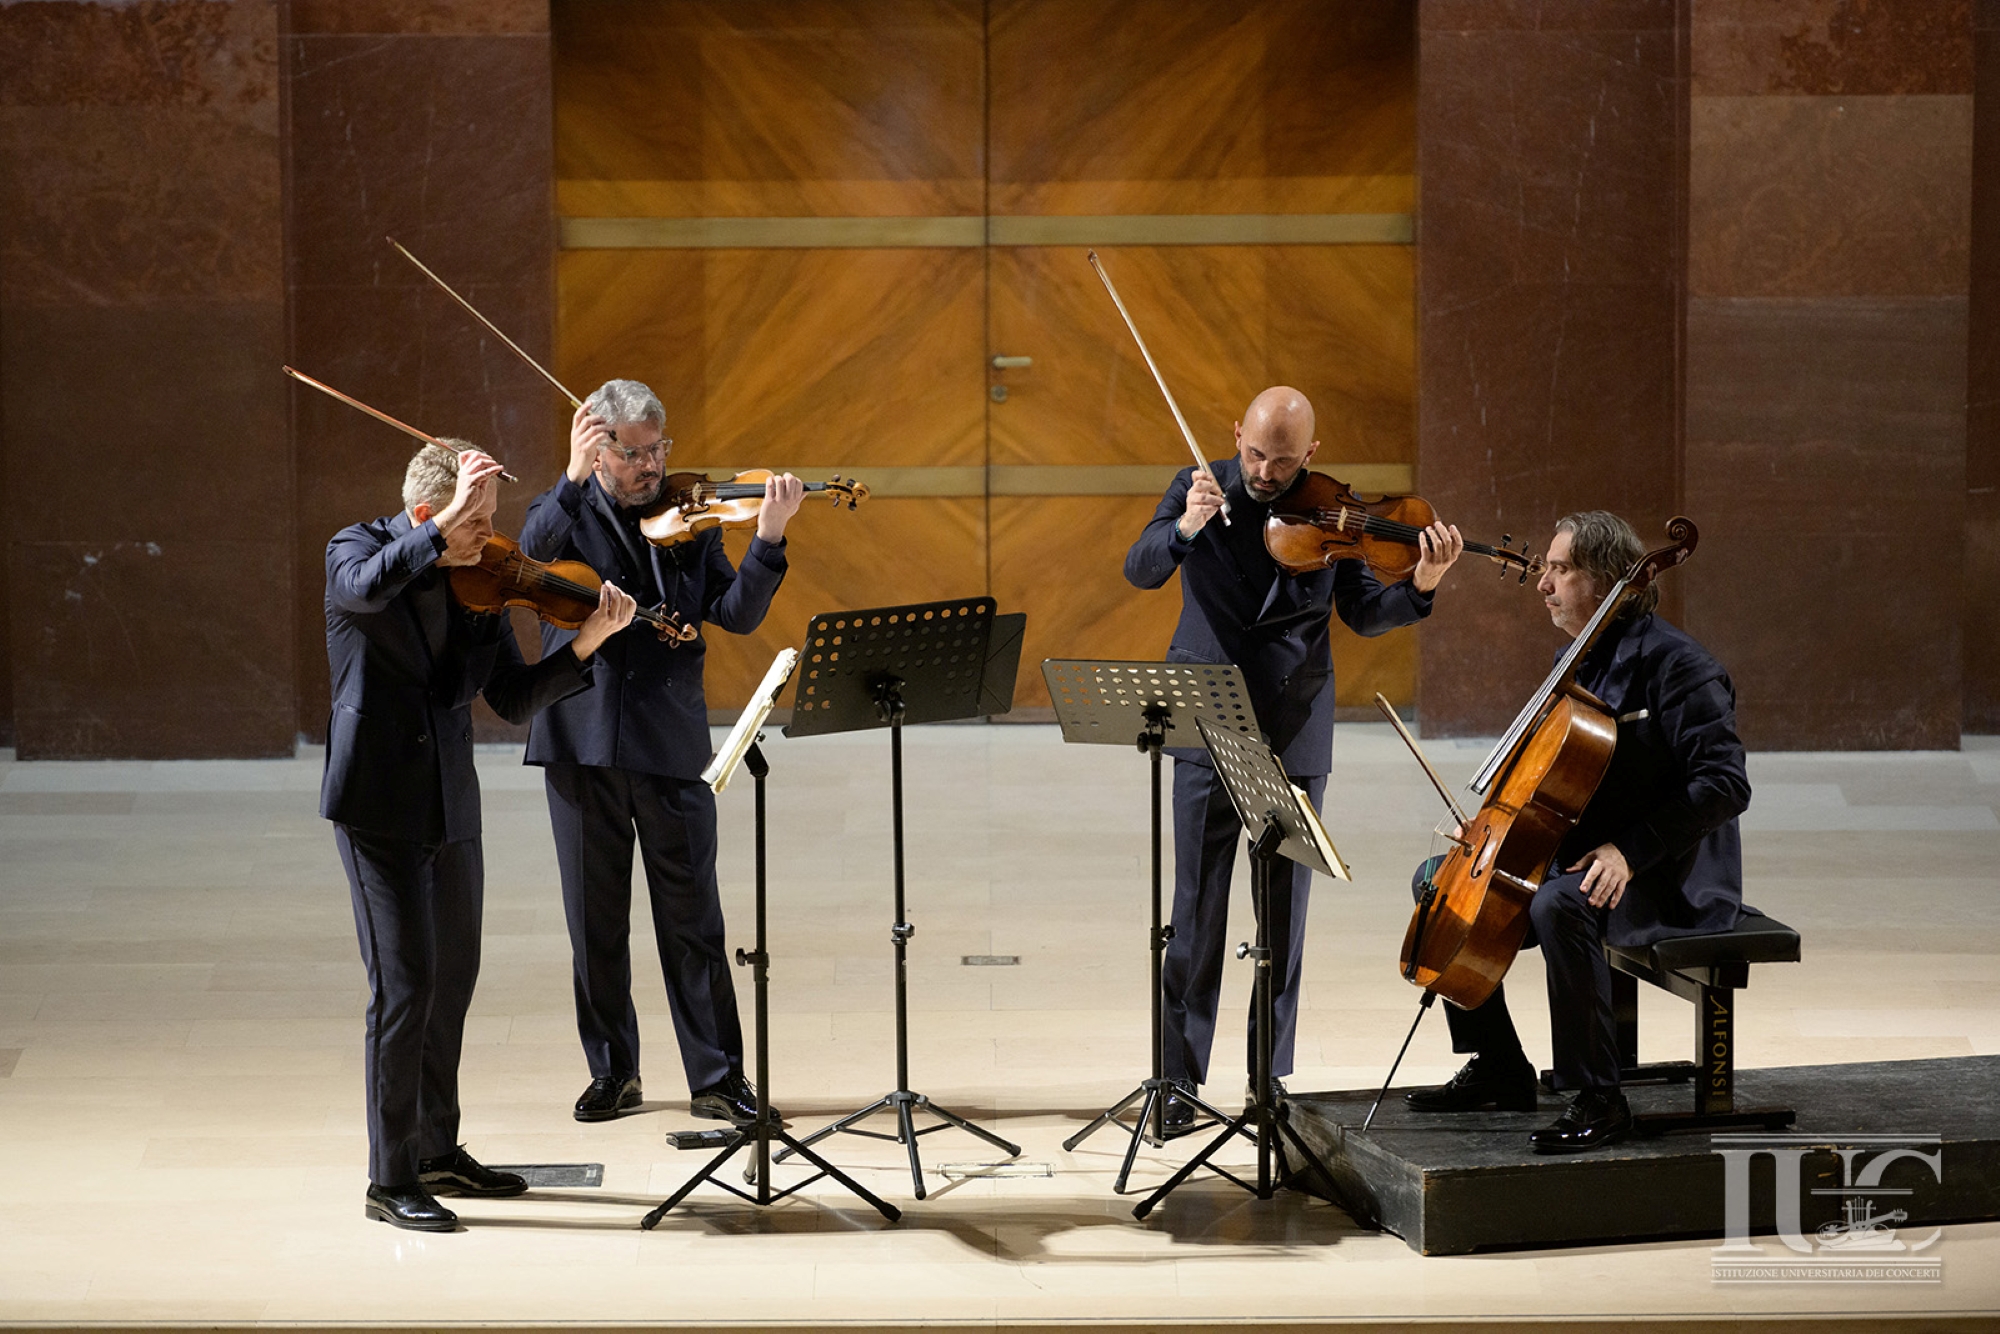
column 1820, row 432
column 430, row 123
column 1548, row 307
column 142, row 310
column 1830, row 47
column 116, row 658
column 190, row 398
column 1982, row 452
column 433, row 18
column 1848, row 196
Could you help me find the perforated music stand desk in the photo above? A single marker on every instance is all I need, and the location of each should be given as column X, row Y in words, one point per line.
column 1139, row 704
column 928, row 662
column 1269, row 808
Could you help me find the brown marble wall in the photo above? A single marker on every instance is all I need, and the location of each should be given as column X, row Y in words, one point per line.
column 148, row 501
column 432, row 123
column 1830, row 172
column 1982, row 452
column 1548, row 299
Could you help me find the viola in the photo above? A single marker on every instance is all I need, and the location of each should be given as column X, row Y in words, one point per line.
column 561, row 592
column 1321, row 520
column 691, row 503
column 1471, row 917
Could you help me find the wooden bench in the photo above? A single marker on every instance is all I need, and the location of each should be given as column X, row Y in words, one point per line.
column 1708, row 971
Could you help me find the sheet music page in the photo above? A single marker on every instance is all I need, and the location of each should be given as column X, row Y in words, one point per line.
column 1320, row 838
column 737, row 743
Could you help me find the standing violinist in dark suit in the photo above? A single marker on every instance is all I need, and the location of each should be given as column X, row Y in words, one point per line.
column 1238, row 606
column 622, row 760
column 399, row 786
column 1656, row 852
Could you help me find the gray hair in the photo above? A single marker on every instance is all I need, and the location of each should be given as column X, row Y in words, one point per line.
column 627, row 403
column 1604, row 547
column 432, row 476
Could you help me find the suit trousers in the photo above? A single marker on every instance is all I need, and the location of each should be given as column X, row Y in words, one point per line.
column 1583, row 1036
column 596, row 813
column 417, row 910
column 1206, row 835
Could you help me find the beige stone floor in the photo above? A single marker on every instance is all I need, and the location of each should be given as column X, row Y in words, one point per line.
column 180, row 1011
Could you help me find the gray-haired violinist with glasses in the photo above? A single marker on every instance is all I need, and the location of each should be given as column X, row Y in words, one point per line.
column 622, row 760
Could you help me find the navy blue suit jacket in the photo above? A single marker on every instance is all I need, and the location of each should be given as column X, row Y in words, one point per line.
column 1229, row 584
column 645, row 710
column 1676, row 783
column 399, row 739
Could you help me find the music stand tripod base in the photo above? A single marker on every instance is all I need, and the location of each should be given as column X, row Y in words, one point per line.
column 1269, row 808
column 1142, row 704
column 884, row 667
column 766, row 1128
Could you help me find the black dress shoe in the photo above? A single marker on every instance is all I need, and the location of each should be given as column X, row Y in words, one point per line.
column 1483, row 1081
column 731, row 1100
column 408, row 1206
column 607, row 1096
column 1278, row 1092
column 461, row 1174
column 1178, row 1109
column 1593, row 1119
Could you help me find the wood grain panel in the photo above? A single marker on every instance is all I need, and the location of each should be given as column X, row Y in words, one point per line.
column 1223, row 323
column 1061, row 560
column 825, row 358
column 1202, row 106
column 886, row 553
column 778, row 107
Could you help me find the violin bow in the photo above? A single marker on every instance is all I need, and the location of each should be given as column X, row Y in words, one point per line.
column 474, row 312
column 1200, row 459
column 380, row 416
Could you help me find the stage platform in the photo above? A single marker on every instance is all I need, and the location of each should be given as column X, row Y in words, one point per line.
column 1449, row 1185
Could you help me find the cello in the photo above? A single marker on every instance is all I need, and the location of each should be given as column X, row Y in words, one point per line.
column 1472, row 912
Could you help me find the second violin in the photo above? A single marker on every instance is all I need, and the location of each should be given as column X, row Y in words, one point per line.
column 1321, row 520
column 690, row 503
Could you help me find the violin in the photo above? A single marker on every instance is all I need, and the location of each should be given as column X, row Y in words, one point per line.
column 562, row 592
column 1471, row 916
column 691, row 503
column 1321, row 520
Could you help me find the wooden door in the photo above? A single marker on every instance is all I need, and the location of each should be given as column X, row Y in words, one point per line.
column 812, row 225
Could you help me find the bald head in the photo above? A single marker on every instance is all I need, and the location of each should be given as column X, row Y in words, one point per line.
column 1275, row 440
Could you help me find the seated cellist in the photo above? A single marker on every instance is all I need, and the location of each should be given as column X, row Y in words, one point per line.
column 1655, row 854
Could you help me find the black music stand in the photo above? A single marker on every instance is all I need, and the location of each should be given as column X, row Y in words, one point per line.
column 1128, row 703
column 1272, row 815
column 929, row 662
column 766, row 1127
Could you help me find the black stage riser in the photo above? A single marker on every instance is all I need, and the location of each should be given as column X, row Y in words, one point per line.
column 1453, row 1184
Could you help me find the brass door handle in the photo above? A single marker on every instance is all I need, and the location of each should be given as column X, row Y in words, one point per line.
column 1012, row 363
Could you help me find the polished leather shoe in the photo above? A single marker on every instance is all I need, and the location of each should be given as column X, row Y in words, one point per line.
column 408, row 1206
column 1278, row 1092
column 1178, row 1111
column 1481, row 1082
column 461, row 1174
column 1593, row 1119
column 607, row 1096
column 732, row 1099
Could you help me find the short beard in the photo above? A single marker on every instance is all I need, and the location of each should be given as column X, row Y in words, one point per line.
column 638, row 499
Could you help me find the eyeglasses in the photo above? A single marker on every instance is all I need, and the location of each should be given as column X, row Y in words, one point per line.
column 653, row 453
